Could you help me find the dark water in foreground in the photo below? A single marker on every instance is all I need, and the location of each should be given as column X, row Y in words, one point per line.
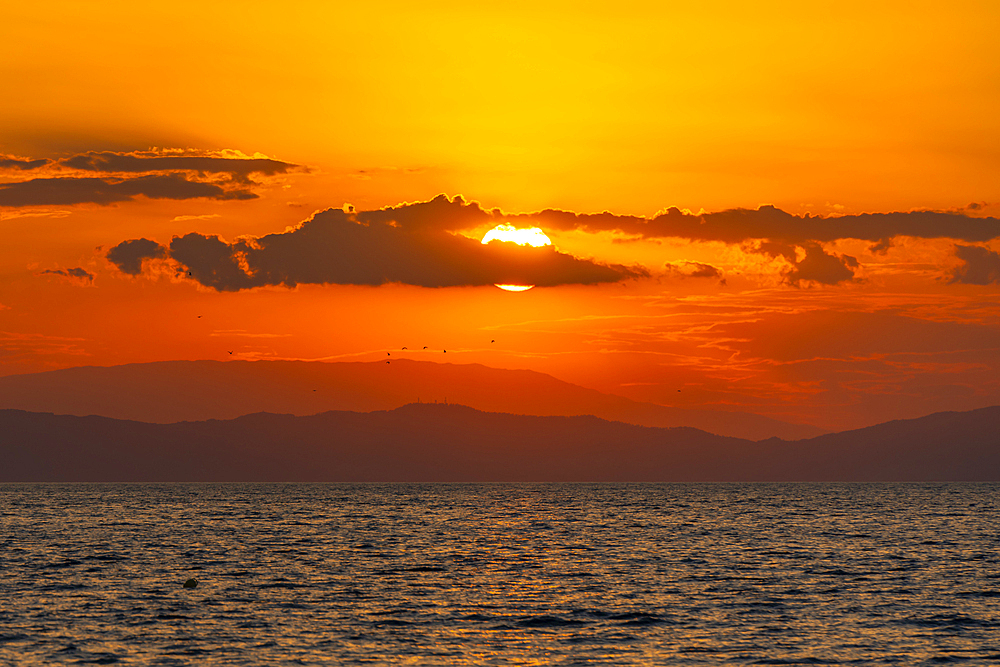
column 500, row 574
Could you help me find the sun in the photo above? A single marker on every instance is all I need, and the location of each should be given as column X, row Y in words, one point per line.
column 532, row 236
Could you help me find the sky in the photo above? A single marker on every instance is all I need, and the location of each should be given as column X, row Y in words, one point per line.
column 782, row 208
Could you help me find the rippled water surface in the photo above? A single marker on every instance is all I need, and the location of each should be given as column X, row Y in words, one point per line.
column 500, row 574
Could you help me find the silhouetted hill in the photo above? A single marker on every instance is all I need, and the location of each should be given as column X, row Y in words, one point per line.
column 452, row 443
column 171, row 391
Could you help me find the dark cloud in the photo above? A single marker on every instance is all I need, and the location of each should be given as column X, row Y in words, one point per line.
column 768, row 222
column 816, row 266
column 880, row 248
column 359, row 249
column 730, row 226
column 439, row 213
column 129, row 255
column 23, row 165
column 692, row 270
column 123, row 176
column 73, row 274
column 136, row 163
column 981, row 266
column 408, row 245
column 820, row 267
column 67, row 191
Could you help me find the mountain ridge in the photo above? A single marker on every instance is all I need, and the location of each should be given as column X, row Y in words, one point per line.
column 171, row 391
column 454, row 443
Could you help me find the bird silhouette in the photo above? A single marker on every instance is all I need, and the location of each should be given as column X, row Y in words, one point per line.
column 446, row 351
column 425, row 347
column 492, row 341
column 404, row 348
column 229, row 351
column 199, row 317
column 387, row 354
column 387, row 362
column 314, row 390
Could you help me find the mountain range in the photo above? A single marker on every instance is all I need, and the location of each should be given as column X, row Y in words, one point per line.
column 454, row 443
column 172, row 391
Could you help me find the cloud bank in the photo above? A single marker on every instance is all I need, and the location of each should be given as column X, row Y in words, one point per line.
column 767, row 229
column 408, row 246
column 143, row 162
column 767, row 222
column 418, row 244
column 69, row 191
column 106, row 177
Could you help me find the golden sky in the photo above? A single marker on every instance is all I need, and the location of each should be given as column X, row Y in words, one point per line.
column 800, row 197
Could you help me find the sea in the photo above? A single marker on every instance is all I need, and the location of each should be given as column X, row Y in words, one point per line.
column 562, row 574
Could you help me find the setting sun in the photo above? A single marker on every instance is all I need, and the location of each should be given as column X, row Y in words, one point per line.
column 532, row 236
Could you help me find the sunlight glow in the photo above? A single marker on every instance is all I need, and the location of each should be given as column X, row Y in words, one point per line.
column 503, row 232
column 515, row 288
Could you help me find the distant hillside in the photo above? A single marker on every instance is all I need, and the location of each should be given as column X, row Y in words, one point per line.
column 172, row 391
column 451, row 443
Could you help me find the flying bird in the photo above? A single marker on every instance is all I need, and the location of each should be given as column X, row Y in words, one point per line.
column 387, row 354
column 387, row 362
column 446, row 351
column 229, row 351
column 199, row 317
column 425, row 347
column 404, row 348
column 492, row 341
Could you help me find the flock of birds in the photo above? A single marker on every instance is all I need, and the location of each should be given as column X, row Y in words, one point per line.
column 389, row 354
column 386, row 354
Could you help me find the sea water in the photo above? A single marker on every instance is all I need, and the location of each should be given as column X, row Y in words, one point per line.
column 568, row 574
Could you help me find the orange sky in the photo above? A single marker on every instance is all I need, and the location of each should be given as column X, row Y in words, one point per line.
column 832, row 109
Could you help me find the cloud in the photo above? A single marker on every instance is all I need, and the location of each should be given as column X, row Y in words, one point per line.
column 814, row 265
column 22, row 164
column 692, row 270
column 129, row 255
column 880, row 248
column 408, row 245
column 767, row 222
column 820, row 267
column 239, row 167
column 109, row 177
column 438, row 214
column 34, row 213
column 980, row 266
column 77, row 274
column 207, row 216
column 67, row 191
